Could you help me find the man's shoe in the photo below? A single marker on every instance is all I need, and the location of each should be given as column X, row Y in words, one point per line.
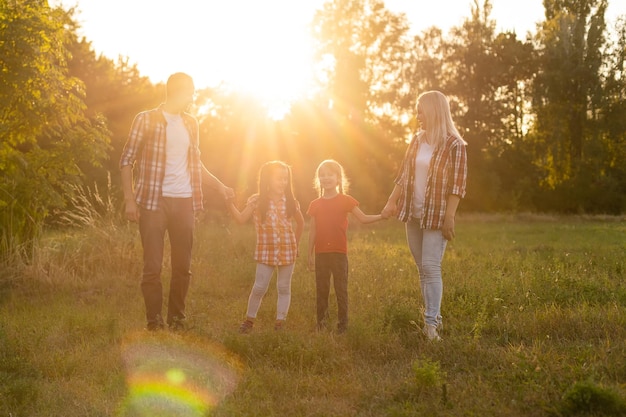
column 177, row 325
column 156, row 324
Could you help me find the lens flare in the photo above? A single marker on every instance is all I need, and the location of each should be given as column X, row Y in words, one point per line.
column 169, row 374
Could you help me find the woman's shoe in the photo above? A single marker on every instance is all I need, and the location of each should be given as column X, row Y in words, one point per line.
column 431, row 333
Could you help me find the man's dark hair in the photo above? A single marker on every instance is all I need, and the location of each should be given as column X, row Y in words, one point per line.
column 177, row 82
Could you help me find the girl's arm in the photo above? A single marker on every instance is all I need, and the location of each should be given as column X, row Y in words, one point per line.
column 391, row 208
column 311, row 259
column 297, row 216
column 244, row 215
column 366, row 218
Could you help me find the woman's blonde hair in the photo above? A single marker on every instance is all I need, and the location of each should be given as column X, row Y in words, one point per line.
column 336, row 168
column 436, row 109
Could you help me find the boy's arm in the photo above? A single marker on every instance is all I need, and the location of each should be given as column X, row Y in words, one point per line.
column 366, row 218
column 311, row 257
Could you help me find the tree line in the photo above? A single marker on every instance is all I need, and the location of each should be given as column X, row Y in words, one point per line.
column 544, row 115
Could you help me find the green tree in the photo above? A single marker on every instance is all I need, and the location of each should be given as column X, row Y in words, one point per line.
column 45, row 134
column 115, row 90
column 568, row 86
column 363, row 52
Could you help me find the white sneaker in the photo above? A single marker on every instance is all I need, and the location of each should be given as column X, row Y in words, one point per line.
column 431, row 333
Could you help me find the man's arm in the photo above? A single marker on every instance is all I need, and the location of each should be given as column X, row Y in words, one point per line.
column 131, row 208
column 212, row 181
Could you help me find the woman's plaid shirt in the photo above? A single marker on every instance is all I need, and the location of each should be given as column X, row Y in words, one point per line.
column 146, row 145
column 275, row 239
column 447, row 174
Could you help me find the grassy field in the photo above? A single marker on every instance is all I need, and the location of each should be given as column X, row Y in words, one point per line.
column 534, row 313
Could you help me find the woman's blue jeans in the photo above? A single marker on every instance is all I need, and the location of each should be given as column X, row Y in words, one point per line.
column 427, row 248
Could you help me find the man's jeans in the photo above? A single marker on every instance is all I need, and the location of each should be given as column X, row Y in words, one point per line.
column 176, row 216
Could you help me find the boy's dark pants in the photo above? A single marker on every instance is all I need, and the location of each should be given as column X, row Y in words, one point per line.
column 335, row 264
column 176, row 216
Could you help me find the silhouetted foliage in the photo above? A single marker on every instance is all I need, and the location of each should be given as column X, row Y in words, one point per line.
column 544, row 117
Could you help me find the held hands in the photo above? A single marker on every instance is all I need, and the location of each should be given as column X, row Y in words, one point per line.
column 227, row 193
column 390, row 210
column 311, row 264
column 252, row 200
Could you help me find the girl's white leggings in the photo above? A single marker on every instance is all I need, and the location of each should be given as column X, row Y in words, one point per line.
column 261, row 284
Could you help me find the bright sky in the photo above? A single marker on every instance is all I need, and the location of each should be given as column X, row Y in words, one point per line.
column 262, row 46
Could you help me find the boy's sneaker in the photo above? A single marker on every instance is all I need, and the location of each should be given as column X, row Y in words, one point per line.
column 279, row 325
column 246, row 326
column 431, row 333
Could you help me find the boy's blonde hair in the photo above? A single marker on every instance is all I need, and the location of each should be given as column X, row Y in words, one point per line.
column 336, row 168
column 436, row 109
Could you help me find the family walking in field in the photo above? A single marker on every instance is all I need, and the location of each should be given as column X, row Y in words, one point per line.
column 167, row 190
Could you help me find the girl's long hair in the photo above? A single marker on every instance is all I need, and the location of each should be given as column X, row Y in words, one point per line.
column 265, row 177
column 439, row 124
column 336, row 168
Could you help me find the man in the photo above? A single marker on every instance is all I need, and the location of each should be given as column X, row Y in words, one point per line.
column 165, row 144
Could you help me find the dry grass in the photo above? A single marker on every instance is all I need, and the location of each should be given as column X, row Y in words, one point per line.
column 533, row 308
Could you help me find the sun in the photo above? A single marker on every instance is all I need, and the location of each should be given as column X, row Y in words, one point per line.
column 263, row 48
column 270, row 54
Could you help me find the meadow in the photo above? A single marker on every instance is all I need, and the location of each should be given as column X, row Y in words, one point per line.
column 533, row 310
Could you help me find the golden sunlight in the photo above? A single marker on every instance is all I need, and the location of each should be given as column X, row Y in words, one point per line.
column 260, row 47
column 269, row 51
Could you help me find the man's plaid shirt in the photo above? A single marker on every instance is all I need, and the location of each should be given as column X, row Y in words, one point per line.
column 146, row 146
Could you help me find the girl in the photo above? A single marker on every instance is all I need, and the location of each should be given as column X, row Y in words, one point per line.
column 328, row 241
column 428, row 189
column 273, row 209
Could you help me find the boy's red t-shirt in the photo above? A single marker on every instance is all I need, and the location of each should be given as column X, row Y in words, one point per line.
column 331, row 222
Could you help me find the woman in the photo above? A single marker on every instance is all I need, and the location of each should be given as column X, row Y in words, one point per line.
column 427, row 192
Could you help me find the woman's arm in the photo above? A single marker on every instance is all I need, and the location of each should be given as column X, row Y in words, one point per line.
column 391, row 208
column 448, row 221
column 459, row 180
column 366, row 218
column 312, row 234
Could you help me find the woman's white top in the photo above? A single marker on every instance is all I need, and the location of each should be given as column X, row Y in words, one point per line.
column 422, row 162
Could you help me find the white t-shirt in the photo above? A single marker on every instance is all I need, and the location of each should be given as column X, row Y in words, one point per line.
column 422, row 162
column 177, row 181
